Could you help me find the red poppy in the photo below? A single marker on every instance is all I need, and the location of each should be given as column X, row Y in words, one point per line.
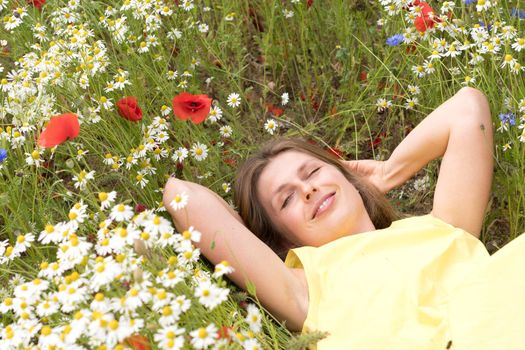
column 363, row 75
column 276, row 111
column 196, row 107
column 129, row 109
column 59, row 129
column 309, row 3
column 138, row 342
column 426, row 19
column 224, row 333
column 37, row 3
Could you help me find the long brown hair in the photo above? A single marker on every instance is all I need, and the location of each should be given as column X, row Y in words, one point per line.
column 257, row 220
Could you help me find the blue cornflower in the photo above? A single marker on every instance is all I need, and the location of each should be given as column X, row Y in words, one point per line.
column 3, row 155
column 517, row 13
column 469, row 2
column 395, row 40
column 508, row 118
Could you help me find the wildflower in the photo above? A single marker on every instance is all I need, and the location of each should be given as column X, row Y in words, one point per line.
column 382, row 104
column 199, row 151
column 425, row 18
column 254, row 318
column 222, row 268
column 34, row 158
column 187, row 237
column 82, row 179
column 516, row 68
column 141, row 180
column 411, row 102
column 509, row 118
column 233, row 100
column 106, row 199
column 483, row 5
column 129, row 109
column 121, row 213
column 508, row 60
column 156, row 225
column 180, row 154
column 515, row 12
column 469, row 2
column 251, row 344
column 202, row 338
column 285, row 98
column 215, row 114
column 196, row 107
column 179, row 201
column 170, row 337
column 414, row 89
column 429, row 67
column 395, row 40
column 59, row 129
column 3, row 154
column 288, row 13
column 419, row 70
column 226, row 187
column 506, row 147
column 271, row 126
column 519, row 44
column 226, row 131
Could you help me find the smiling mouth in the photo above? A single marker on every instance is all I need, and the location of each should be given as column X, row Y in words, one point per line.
column 323, row 204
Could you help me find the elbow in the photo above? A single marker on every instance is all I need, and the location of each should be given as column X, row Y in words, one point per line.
column 478, row 106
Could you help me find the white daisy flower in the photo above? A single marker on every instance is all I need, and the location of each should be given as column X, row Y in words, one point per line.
column 222, row 268
column 106, row 199
column 180, row 154
column 179, row 201
column 121, row 212
column 202, row 338
column 285, row 98
column 271, row 126
column 199, row 151
column 234, row 100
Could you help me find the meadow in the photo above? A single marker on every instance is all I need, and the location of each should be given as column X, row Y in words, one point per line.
column 101, row 101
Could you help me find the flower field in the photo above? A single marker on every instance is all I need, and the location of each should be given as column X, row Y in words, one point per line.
column 101, row 101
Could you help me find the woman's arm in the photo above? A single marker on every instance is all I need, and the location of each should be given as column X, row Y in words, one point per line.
column 460, row 130
column 224, row 237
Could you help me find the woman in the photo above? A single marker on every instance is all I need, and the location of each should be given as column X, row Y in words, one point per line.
column 369, row 284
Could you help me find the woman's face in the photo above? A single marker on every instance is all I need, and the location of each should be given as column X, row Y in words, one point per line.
column 310, row 201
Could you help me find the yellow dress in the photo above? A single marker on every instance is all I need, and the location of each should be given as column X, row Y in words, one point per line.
column 419, row 284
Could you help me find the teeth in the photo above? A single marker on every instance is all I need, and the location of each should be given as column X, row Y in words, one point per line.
column 323, row 204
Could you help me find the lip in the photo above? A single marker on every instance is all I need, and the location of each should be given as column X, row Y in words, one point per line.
column 320, row 201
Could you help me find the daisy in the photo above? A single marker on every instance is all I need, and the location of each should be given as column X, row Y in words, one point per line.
column 180, row 154
column 411, row 102
column 233, row 100
column 222, row 268
column 199, row 151
column 271, row 126
column 508, row 60
column 418, row 70
column 179, row 201
column 226, row 131
column 285, row 98
column 106, row 199
column 210, row 295
column 519, row 44
column 157, row 224
column 226, row 187
column 170, row 337
column 82, row 179
column 202, row 338
column 187, row 237
column 516, row 68
column 34, row 158
column 382, row 104
column 251, row 344
column 215, row 114
column 121, row 212
column 414, row 89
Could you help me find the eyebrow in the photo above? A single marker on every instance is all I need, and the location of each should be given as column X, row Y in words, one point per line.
column 299, row 171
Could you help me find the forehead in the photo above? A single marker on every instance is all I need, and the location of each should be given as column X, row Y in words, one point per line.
column 281, row 168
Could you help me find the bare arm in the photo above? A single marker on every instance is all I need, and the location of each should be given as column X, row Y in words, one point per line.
column 279, row 288
column 460, row 130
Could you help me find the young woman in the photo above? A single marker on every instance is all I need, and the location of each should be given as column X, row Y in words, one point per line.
column 352, row 268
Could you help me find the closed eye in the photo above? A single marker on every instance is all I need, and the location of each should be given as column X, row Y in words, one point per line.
column 285, row 203
column 313, row 171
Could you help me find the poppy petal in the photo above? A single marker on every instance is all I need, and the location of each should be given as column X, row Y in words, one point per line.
column 196, row 107
column 59, row 129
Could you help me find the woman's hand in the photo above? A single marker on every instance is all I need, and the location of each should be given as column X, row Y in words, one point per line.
column 372, row 170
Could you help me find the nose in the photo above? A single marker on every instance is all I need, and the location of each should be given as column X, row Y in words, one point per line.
column 308, row 190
